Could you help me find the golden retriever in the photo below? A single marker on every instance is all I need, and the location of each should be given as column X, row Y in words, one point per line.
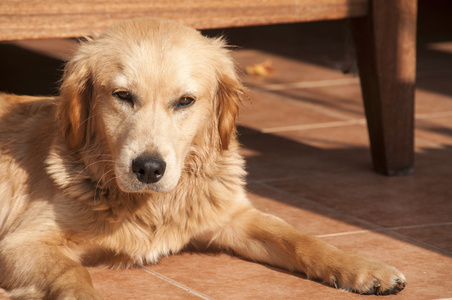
column 136, row 159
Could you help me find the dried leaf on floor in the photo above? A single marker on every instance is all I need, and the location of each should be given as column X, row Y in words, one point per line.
column 260, row 69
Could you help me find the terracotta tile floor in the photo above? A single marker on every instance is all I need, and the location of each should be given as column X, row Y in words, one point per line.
column 305, row 141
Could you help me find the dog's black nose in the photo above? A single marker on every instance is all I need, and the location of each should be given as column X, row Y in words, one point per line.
column 148, row 169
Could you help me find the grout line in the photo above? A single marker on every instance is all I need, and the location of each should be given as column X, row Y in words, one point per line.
column 345, row 233
column 433, row 115
column 278, row 179
column 421, row 226
column 307, row 84
column 334, row 82
column 314, row 126
column 175, row 283
column 428, row 143
column 346, row 123
column 385, row 229
column 376, row 228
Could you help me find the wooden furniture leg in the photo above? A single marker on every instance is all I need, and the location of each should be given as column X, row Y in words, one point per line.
column 385, row 42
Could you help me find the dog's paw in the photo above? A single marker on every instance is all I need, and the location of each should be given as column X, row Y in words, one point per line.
column 368, row 276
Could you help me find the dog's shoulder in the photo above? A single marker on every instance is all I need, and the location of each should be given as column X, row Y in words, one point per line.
column 17, row 104
column 27, row 127
column 25, row 120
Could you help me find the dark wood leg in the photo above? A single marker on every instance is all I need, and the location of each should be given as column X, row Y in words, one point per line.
column 385, row 42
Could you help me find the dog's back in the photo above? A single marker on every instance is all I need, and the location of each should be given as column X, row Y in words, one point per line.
column 27, row 125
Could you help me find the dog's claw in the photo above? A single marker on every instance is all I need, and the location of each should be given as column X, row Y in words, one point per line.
column 375, row 289
column 335, row 282
column 400, row 285
column 377, row 286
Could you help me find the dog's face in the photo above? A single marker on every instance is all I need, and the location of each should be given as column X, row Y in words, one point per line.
column 148, row 90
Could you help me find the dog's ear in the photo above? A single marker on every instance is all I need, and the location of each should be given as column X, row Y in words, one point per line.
column 76, row 94
column 229, row 95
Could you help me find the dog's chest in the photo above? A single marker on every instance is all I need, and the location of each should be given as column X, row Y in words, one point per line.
column 148, row 236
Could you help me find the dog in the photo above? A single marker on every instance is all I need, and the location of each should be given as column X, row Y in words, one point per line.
column 136, row 159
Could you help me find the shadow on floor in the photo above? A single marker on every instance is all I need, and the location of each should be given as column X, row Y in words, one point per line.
column 25, row 72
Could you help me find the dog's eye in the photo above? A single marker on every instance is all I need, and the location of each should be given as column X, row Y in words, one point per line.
column 185, row 101
column 123, row 95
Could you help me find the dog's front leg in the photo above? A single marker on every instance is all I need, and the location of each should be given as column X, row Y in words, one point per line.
column 37, row 270
column 265, row 238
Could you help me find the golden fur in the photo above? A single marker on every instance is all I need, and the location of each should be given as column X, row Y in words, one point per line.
column 69, row 196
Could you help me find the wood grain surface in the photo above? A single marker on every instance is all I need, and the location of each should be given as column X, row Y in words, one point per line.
column 31, row 19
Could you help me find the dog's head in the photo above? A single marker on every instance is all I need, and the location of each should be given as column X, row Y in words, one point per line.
column 144, row 92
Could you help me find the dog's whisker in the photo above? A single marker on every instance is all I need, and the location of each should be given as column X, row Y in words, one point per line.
column 101, row 185
column 82, row 172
